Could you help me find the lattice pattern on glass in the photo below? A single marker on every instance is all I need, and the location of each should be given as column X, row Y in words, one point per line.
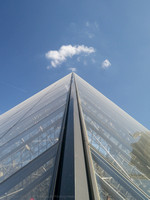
column 32, row 127
column 116, row 136
column 36, row 183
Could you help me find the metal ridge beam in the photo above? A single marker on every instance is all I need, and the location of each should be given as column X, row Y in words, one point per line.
column 53, row 192
column 92, row 184
column 71, row 180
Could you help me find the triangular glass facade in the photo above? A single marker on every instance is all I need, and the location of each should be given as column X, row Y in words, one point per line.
column 120, row 146
column 69, row 136
column 29, row 135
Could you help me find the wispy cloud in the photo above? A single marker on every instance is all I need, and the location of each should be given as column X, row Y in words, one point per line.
column 57, row 57
column 14, row 87
column 92, row 25
column 73, row 69
column 48, row 67
column 91, row 29
column 96, row 25
column 87, row 24
column 93, row 60
column 84, row 63
column 90, row 35
column 106, row 64
column 78, row 59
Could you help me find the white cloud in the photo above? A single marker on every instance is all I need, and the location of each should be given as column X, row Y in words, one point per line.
column 106, row 64
column 73, row 69
column 67, row 51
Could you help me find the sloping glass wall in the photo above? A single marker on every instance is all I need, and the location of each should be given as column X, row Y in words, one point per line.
column 120, row 147
column 29, row 137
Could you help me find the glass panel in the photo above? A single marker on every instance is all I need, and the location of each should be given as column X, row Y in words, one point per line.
column 28, row 130
column 118, row 139
column 39, row 105
column 33, row 183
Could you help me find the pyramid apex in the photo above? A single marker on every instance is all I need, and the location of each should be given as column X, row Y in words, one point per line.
column 73, row 74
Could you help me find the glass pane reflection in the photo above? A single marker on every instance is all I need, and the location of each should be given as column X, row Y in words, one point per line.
column 26, row 132
column 117, row 138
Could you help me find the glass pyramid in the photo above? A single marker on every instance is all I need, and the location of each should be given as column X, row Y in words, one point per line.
column 71, row 142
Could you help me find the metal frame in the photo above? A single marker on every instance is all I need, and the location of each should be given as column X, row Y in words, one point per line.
column 131, row 188
column 21, row 174
column 93, row 188
column 74, row 176
column 54, row 184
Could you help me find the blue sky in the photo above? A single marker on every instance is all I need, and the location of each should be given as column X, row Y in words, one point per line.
column 91, row 32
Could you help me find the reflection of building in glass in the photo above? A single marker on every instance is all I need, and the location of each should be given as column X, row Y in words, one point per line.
column 71, row 142
column 140, row 155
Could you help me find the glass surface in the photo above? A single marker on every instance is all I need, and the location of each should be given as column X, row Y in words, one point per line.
column 117, row 139
column 36, row 181
column 28, row 130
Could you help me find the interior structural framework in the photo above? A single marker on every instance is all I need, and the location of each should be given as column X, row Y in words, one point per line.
column 71, row 142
